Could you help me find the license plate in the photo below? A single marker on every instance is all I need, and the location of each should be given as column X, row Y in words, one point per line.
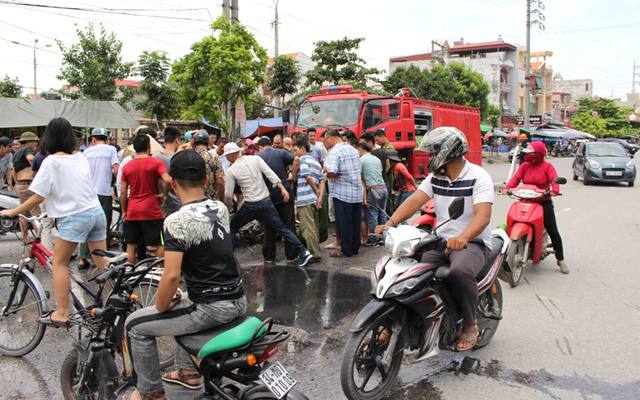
column 278, row 379
column 614, row 173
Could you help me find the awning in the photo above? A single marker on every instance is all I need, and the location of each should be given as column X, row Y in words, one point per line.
column 539, row 83
column 485, row 128
column 260, row 126
column 18, row 113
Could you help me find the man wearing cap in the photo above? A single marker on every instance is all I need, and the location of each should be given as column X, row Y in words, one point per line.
column 247, row 172
column 24, row 176
column 104, row 163
column 199, row 248
column 113, row 142
column 215, row 174
column 406, row 184
column 6, row 165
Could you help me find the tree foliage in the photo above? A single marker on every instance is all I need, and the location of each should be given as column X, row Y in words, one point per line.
column 10, row 87
column 586, row 122
column 285, row 76
column 256, row 107
column 94, row 64
column 615, row 118
column 219, row 70
column 454, row 83
column 338, row 63
column 160, row 97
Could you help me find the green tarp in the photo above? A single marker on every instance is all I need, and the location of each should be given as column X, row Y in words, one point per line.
column 539, row 83
column 485, row 128
column 18, row 113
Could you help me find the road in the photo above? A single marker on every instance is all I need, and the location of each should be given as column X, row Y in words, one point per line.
column 562, row 337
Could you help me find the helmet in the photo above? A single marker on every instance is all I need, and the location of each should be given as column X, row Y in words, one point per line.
column 444, row 144
column 523, row 136
column 201, row 136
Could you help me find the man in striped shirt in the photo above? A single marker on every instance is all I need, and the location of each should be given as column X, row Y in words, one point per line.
column 310, row 193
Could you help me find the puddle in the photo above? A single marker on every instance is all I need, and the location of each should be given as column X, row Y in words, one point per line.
column 310, row 300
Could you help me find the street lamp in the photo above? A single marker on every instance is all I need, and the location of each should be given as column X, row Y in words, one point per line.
column 35, row 64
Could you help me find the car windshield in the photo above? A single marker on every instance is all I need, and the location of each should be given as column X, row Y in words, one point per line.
column 607, row 150
column 329, row 113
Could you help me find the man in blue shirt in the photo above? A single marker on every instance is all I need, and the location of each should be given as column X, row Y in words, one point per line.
column 279, row 161
column 375, row 188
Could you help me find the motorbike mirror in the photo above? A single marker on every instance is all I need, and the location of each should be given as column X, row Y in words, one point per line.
column 456, row 209
column 421, row 169
column 560, row 180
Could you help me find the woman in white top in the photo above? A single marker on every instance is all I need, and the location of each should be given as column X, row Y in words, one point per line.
column 64, row 183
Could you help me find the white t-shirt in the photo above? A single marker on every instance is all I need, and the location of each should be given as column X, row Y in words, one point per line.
column 66, row 185
column 474, row 184
column 102, row 158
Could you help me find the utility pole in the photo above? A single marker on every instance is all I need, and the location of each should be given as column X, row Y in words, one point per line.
column 226, row 9
column 276, row 100
column 235, row 7
column 35, row 64
column 527, row 54
column 635, row 74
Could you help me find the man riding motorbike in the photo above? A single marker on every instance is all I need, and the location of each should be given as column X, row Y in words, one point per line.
column 536, row 171
column 468, row 237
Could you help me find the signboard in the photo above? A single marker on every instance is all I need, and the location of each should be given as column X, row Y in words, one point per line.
column 533, row 120
column 521, row 75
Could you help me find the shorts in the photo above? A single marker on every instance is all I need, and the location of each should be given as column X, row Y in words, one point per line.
column 23, row 195
column 86, row 226
column 332, row 214
column 151, row 230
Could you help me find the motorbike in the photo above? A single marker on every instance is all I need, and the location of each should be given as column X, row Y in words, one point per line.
column 427, row 219
column 8, row 201
column 525, row 228
column 232, row 358
column 413, row 308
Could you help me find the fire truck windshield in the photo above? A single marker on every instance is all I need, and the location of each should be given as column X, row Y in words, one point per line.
column 329, row 113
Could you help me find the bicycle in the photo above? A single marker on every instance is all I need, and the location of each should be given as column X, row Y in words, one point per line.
column 23, row 299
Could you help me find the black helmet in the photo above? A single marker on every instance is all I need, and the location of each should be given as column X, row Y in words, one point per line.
column 201, row 136
column 444, row 144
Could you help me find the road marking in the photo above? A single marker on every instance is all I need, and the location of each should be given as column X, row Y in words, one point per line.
column 563, row 211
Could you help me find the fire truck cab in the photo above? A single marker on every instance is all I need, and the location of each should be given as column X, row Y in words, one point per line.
column 404, row 119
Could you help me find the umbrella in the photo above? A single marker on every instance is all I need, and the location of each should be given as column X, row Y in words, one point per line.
column 488, row 135
column 499, row 133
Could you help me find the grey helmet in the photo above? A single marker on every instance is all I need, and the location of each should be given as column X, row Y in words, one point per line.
column 444, row 144
column 201, row 136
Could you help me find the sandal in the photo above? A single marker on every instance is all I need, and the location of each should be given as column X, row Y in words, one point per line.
column 468, row 339
column 337, row 254
column 332, row 246
column 183, row 380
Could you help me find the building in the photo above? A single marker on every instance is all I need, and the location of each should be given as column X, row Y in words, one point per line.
column 633, row 100
column 502, row 65
column 566, row 94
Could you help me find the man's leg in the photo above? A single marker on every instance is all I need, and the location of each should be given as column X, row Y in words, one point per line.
column 287, row 214
column 382, row 217
column 269, row 216
column 356, row 213
column 107, row 206
column 133, row 234
column 153, row 235
column 244, row 215
column 371, row 213
column 344, row 226
column 309, row 228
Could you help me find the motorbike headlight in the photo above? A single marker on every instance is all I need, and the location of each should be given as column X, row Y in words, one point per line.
column 403, row 287
column 594, row 164
column 630, row 164
column 388, row 243
column 405, row 249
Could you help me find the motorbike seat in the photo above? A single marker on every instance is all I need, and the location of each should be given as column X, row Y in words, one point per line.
column 236, row 333
column 9, row 193
column 496, row 246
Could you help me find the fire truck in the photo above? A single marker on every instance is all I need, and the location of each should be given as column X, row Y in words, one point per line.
column 404, row 119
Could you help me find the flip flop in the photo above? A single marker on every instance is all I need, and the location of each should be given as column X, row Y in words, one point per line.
column 337, row 254
column 332, row 246
column 470, row 337
column 46, row 320
column 182, row 380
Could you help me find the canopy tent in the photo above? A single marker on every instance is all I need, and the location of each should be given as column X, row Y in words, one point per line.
column 564, row 134
column 259, row 126
column 485, row 128
column 17, row 113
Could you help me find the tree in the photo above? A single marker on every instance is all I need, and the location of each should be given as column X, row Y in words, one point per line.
column 10, row 87
column 257, row 107
column 161, row 98
column 615, row 117
column 219, row 71
column 454, row 83
column 337, row 63
column 94, row 64
column 586, row 122
column 493, row 115
column 285, row 76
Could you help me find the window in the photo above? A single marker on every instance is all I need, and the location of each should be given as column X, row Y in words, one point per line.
column 586, row 87
column 377, row 112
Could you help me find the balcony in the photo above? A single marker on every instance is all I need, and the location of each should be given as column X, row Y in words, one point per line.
column 505, row 88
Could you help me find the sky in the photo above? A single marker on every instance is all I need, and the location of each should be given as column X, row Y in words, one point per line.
column 590, row 39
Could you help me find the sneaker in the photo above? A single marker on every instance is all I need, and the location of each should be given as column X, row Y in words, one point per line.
column 563, row 267
column 371, row 243
column 269, row 262
column 315, row 260
column 304, row 260
column 293, row 260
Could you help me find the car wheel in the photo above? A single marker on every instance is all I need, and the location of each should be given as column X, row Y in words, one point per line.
column 631, row 184
column 575, row 177
column 586, row 180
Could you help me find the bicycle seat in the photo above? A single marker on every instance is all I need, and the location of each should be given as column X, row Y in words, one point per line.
column 236, row 333
column 112, row 257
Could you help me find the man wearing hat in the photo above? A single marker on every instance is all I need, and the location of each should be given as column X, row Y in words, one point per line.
column 24, row 176
column 6, row 165
column 215, row 174
column 104, row 163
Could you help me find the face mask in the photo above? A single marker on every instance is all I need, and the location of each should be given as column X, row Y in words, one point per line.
column 250, row 151
column 531, row 157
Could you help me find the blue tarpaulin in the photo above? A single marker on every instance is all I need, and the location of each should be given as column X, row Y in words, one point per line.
column 258, row 126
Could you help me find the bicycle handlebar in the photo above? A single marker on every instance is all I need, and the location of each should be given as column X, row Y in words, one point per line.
column 34, row 218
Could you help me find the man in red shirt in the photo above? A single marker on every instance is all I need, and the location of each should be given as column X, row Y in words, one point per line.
column 404, row 180
column 142, row 212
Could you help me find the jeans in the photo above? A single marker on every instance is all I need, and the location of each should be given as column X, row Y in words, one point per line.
column 309, row 227
column 374, row 215
column 348, row 217
column 403, row 196
column 143, row 326
column 264, row 211
column 287, row 215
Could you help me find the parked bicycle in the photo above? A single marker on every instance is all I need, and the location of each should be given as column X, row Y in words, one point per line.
column 23, row 299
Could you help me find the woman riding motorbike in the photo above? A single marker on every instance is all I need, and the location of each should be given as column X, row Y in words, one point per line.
column 536, row 171
column 468, row 237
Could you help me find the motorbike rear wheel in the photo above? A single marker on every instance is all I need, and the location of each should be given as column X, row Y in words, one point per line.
column 489, row 328
column 515, row 258
column 362, row 361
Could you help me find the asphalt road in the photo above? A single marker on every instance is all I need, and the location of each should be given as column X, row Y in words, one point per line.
column 562, row 337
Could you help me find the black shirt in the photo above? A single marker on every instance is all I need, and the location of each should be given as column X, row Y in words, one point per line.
column 20, row 161
column 199, row 230
column 278, row 160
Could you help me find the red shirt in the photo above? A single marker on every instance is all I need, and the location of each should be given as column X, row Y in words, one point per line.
column 540, row 174
column 403, row 177
column 142, row 174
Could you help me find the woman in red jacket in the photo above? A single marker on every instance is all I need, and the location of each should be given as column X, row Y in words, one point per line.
column 536, row 171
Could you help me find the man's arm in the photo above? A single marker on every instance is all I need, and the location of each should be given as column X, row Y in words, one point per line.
column 481, row 218
column 295, row 167
column 31, row 202
column 115, row 168
column 123, row 200
column 169, row 280
column 228, row 190
column 320, row 194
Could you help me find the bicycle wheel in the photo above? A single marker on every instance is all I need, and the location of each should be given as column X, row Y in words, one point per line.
column 147, row 292
column 20, row 330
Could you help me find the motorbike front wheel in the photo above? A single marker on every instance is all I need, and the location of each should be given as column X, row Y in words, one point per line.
column 363, row 374
column 516, row 260
column 489, row 326
column 69, row 381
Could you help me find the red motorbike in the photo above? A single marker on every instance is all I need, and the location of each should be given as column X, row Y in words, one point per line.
column 427, row 220
column 525, row 228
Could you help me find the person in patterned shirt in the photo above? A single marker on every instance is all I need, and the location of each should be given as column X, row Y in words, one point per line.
column 215, row 173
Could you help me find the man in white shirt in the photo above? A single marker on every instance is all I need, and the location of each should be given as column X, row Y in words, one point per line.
column 104, row 163
column 247, row 172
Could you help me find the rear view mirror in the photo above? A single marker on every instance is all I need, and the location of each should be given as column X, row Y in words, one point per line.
column 421, row 169
column 456, row 209
column 560, row 181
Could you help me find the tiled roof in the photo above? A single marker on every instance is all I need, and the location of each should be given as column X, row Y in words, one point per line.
column 415, row 57
column 497, row 45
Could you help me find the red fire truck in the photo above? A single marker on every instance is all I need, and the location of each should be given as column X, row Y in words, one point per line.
column 404, row 119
